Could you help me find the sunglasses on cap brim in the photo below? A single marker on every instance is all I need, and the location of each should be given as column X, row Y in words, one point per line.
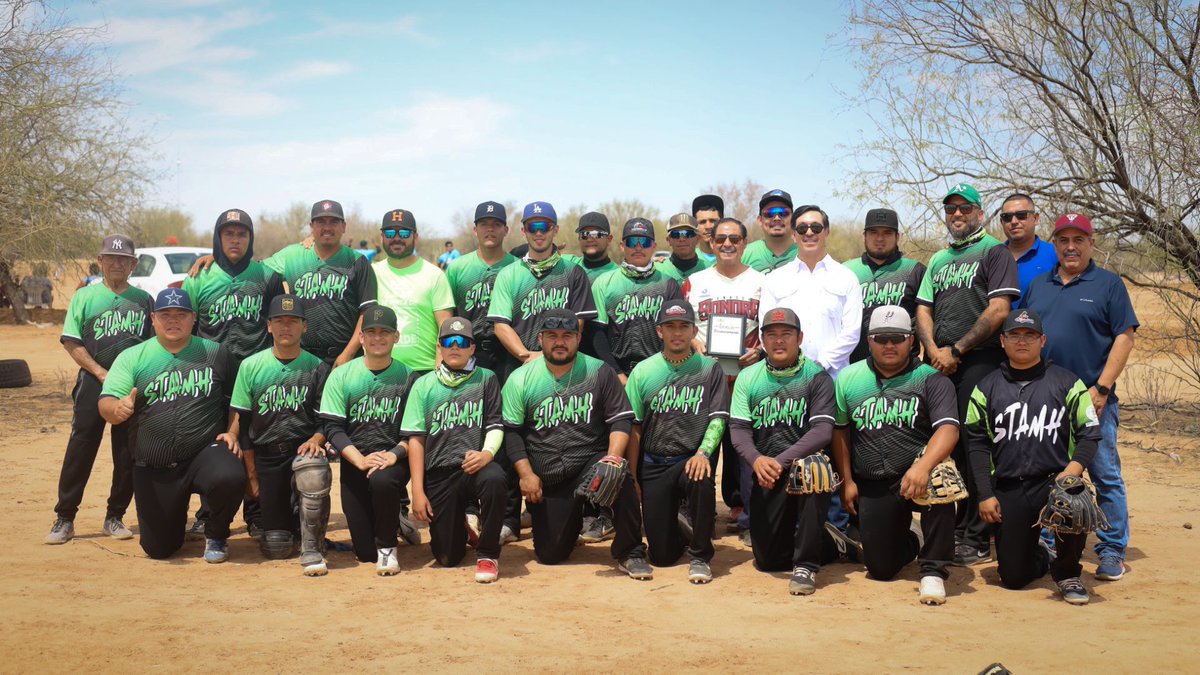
column 561, row 323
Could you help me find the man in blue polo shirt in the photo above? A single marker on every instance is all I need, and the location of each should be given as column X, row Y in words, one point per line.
column 1089, row 325
column 1019, row 218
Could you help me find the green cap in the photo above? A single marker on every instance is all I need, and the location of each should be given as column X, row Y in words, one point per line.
column 966, row 191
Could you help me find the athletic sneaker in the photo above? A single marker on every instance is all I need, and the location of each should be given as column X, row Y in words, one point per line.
column 1073, row 592
column 507, row 536
column 387, row 565
column 804, row 581
column 61, row 531
column 254, row 530
column 1050, row 553
column 600, row 530
column 526, row 520
column 966, row 554
column 699, row 572
column 313, row 564
column 847, row 546
column 744, row 537
column 685, row 525
column 472, row 530
column 408, row 532
column 1111, row 568
column 732, row 526
column 915, row 528
column 216, row 551
column 636, row 568
column 487, row 570
column 196, row 531
column 933, row 591
column 116, row 529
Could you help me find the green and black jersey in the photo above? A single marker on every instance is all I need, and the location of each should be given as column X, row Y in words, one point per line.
column 519, row 298
column 368, row 406
column 182, row 401
column 334, row 293
column 960, row 282
column 670, row 267
column 593, row 271
column 232, row 310
column 758, row 256
column 629, row 307
column 895, row 282
column 674, row 404
column 107, row 323
column 780, row 410
column 891, row 419
column 471, row 281
column 277, row 400
column 453, row 420
column 564, row 421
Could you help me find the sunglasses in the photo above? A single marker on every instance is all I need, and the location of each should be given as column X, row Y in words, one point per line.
column 538, row 227
column 1022, row 337
column 889, row 338
column 805, row 228
column 455, row 341
column 560, row 323
column 681, row 234
column 965, row 209
column 734, row 239
column 776, row 212
column 1019, row 215
column 593, row 234
column 639, row 242
column 392, row 233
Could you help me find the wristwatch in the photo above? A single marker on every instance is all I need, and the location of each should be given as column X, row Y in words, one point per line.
column 1103, row 389
column 954, row 352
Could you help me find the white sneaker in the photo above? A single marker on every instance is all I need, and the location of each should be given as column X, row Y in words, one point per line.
column 507, row 536
column 387, row 564
column 933, row 591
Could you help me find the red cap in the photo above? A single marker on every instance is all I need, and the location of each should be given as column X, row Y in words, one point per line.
column 1073, row 220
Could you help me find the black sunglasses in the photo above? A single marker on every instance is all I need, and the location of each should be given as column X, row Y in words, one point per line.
column 560, row 323
column 965, row 209
column 1019, row 215
column 805, row 228
column 889, row 338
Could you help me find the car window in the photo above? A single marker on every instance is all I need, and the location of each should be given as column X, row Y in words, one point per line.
column 145, row 266
column 181, row 262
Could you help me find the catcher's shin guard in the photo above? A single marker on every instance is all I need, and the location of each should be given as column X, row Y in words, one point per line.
column 314, row 480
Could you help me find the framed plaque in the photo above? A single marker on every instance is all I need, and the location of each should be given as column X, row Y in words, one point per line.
column 726, row 335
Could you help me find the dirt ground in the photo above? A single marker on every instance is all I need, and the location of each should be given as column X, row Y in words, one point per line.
column 101, row 605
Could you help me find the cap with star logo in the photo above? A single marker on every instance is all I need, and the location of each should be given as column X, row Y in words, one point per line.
column 286, row 304
column 456, row 325
column 327, row 207
column 173, row 298
column 378, row 316
column 539, row 210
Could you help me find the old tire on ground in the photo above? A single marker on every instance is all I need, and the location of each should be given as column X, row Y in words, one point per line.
column 14, row 373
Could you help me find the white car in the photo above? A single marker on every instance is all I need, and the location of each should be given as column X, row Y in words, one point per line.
column 164, row 267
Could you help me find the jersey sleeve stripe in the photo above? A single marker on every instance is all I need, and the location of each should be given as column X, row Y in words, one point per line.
column 619, row 416
column 1005, row 291
column 946, row 420
column 587, row 314
column 496, row 425
column 502, row 319
column 331, row 416
column 239, row 408
column 719, row 413
column 77, row 338
column 822, row 417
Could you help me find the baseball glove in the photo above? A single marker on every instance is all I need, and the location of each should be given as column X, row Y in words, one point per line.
column 1071, row 508
column 812, row 475
column 946, row 484
column 604, row 481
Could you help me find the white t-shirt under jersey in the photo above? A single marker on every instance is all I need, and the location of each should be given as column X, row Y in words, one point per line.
column 709, row 292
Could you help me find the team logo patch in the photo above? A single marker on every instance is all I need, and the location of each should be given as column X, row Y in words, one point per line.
column 288, row 304
column 378, row 314
column 326, row 206
column 397, row 216
column 233, row 216
column 457, row 325
column 1023, row 318
column 675, row 310
column 1071, row 217
column 537, row 208
column 173, row 298
column 778, row 315
column 490, row 208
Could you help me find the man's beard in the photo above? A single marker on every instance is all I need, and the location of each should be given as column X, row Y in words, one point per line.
column 550, row 358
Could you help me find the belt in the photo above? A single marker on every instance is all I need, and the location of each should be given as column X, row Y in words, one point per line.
column 284, row 448
column 145, row 465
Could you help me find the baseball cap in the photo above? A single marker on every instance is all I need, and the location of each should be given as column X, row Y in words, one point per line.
column 775, row 196
column 118, row 244
column 327, row 207
column 676, row 310
column 235, row 217
column 539, row 210
column 890, row 319
column 708, row 202
column 881, row 218
column 559, row 319
column 1076, row 221
column 638, row 227
column 781, row 316
column 286, row 304
column 593, row 220
column 173, row 298
column 399, row 218
column 379, row 317
column 491, row 210
column 681, row 221
column 456, row 325
column 1023, row 318
column 966, row 191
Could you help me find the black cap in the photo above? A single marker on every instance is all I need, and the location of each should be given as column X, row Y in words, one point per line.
column 1023, row 318
column 118, row 244
column 559, row 319
column 708, row 203
column 775, row 196
column 286, row 304
column 173, row 298
column 593, row 220
column 399, row 219
column 676, row 310
column 491, row 210
column 327, row 207
column 781, row 316
column 456, row 325
column 379, row 316
column 881, row 218
column 638, row 227
column 235, row 217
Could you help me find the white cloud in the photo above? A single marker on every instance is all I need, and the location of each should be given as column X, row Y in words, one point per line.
column 407, row 27
column 310, row 70
column 149, row 45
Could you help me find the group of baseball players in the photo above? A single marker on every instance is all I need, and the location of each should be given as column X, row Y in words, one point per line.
column 455, row 397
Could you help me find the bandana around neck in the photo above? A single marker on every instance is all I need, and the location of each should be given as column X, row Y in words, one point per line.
column 634, row 272
column 540, row 268
column 970, row 239
column 452, row 378
column 786, row 371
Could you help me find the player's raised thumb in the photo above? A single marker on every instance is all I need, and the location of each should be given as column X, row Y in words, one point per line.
column 132, row 394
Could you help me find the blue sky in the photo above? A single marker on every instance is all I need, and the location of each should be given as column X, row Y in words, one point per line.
column 434, row 107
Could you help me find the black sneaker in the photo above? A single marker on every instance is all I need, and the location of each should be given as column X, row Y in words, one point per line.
column 254, row 530
column 804, row 581
column 196, row 531
column 967, row 554
column 685, row 525
column 848, row 547
column 1073, row 592
column 636, row 568
column 600, row 530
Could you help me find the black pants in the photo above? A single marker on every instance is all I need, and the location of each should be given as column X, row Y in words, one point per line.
column 163, row 495
column 664, row 486
column 277, row 497
column 969, row 528
column 449, row 492
column 372, row 507
column 87, row 430
column 558, row 518
column 731, row 469
column 1019, row 558
column 787, row 530
column 888, row 545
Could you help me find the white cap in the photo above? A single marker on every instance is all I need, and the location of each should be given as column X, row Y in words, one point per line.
column 890, row 319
